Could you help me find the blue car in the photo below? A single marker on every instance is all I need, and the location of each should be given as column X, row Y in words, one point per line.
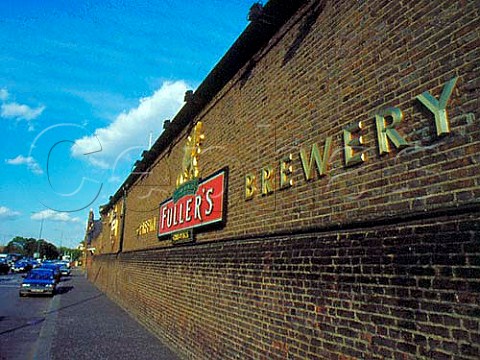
column 39, row 282
column 21, row 266
column 64, row 271
column 55, row 268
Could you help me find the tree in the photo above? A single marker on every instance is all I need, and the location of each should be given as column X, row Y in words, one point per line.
column 17, row 245
column 49, row 251
column 29, row 246
column 75, row 254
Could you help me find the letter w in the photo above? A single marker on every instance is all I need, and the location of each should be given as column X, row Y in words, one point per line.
column 320, row 161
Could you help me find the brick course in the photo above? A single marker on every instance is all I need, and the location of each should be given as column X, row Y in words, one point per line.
column 377, row 260
column 405, row 291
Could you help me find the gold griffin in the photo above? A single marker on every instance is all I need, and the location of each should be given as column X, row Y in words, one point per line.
column 190, row 158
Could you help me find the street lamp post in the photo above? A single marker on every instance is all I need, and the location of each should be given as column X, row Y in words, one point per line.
column 39, row 237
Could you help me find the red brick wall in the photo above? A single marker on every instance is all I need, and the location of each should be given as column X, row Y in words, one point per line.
column 377, row 260
column 402, row 291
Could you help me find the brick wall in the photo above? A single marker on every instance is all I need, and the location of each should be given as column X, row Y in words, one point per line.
column 403, row 291
column 375, row 260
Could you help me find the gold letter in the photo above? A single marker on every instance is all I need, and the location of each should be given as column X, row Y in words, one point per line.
column 267, row 180
column 285, row 171
column 438, row 107
column 249, row 186
column 352, row 144
column 315, row 154
column 385, row 132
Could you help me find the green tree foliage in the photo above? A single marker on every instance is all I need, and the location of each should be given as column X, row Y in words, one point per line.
column 75, row 254
column 49, row 251
column 21, row 245
column 29, row 246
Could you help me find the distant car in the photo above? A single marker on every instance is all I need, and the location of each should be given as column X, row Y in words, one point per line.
column 4, row 267
column 67, row 263
column 54, row 267
column 34, row 263
column 39, row 281
column 12, row 258
column 64, row 271
column 21, row 266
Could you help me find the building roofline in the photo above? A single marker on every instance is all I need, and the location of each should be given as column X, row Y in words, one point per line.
column 255, row 36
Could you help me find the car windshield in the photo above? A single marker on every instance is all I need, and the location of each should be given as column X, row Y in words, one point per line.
column 39, row 276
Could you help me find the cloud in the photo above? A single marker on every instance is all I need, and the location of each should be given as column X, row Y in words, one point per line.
column 3, row 94
column 16, row 111
column 131, row 130
column 20, row 112
column 7, row 214
column 32, row 165
column 54, row 216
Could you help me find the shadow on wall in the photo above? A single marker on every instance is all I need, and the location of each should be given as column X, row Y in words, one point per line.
column 302, row 34
column 304, row 30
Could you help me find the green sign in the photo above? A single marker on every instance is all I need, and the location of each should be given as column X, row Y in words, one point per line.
column 188, row 188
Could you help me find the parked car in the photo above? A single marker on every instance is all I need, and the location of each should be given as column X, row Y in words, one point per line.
column 54, row 267
column 64, row 271
column 4, row 267
column 67, row 263
column 21, row 266
column 32, row 262
column 39, row 281
column 12, row 258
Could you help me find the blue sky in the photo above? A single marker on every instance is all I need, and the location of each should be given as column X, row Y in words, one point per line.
column 83, row 84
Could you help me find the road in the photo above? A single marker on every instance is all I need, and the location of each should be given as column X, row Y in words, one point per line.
column 79, row 322
column 21, row 319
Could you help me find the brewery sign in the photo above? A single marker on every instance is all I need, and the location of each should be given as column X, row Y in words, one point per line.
column 196, row 202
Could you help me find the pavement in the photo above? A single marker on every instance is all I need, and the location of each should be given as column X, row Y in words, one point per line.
column 82, row 323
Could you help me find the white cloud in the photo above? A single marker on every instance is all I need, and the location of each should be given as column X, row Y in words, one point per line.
column 32, row 165
column 20, row 111
column 3, row 94
column 7, row 214
column 55, row 216
column 131, row 130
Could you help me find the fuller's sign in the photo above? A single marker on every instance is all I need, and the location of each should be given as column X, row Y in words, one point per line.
column 194, row 204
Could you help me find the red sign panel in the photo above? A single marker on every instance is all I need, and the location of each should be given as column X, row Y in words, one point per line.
column 203, row 206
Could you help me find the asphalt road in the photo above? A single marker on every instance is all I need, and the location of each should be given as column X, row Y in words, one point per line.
column 79, row 322
column 21, row 319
